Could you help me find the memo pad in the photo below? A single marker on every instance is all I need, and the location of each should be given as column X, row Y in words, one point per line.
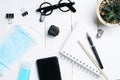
column 13, row 47
column 74, row 52
column 107, row 47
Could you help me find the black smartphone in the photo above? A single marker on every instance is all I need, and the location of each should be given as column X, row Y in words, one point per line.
column 48, row 69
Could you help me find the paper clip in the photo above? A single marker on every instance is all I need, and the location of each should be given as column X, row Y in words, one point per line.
column 99, row 33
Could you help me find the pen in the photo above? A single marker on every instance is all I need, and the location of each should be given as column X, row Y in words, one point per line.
column 94, row 51
column 93, row 60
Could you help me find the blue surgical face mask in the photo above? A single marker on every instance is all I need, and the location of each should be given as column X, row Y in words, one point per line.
column 13, row 47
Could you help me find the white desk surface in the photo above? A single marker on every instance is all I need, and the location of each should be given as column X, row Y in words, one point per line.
column 47, row 46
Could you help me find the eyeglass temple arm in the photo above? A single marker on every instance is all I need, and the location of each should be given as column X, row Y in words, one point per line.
column 70, row 6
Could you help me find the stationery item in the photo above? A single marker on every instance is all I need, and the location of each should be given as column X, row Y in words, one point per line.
column 92, row 59
column 47, row 10
column 99, row 33
column 72, row 51
column 13, row 47
column 24, row 13
column 48, row 69
column 10, row 16
column 25, row 72
column 107, row 46
column 94, row 51
column 99, row 30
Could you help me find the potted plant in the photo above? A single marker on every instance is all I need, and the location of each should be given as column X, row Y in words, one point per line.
column 108, row 12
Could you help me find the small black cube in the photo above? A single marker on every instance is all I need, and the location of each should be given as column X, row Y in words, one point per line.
column 53, row 30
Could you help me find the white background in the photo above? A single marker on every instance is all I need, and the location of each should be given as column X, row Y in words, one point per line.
column 47, row 46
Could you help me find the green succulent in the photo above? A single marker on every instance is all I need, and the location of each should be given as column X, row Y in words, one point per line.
column 111, row 12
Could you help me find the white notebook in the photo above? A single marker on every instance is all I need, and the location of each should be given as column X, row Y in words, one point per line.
column 74, row 52
column 108, row 48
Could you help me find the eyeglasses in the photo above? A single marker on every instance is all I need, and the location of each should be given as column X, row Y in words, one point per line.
column 47, row 8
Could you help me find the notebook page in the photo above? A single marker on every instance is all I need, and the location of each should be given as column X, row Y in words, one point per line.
column 72, row 50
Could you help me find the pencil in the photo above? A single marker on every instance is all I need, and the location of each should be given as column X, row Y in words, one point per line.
column 92, row 59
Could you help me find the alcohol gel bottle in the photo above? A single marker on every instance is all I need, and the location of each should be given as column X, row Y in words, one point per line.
column 25, row 72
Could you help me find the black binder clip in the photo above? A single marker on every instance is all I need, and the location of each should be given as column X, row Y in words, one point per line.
column 9, row 16
column 47, row 10
column 24, row 13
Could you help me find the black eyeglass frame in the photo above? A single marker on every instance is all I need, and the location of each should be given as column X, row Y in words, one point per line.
column 51, row 7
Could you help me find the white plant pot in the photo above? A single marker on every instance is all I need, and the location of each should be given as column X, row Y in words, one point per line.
column 101, row 19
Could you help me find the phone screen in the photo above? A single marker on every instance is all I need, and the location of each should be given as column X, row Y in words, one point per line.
column 48, row 69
